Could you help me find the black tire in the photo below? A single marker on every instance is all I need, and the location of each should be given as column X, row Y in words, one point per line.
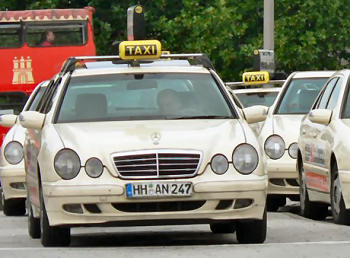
column 253, row 231
column 1, row 197
column 273, row 202
column 340, row 214
column 33, row 223
column 221, row 228
column 294, row 198
column 309, row 209
column 52, row 236
column 13, row 207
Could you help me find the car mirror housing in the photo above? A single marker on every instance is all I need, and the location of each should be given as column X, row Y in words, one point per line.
column 32, row 119
column 8, row 120
column 320, row 116
column 255, row 114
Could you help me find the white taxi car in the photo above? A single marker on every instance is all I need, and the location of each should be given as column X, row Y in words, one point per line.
column 256, row 88
column 323, row 165
column 280, row 132
column 143, row 142
column 259, row 91
column 12, row 173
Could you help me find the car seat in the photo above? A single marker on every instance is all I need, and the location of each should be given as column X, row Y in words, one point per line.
column 90, row 106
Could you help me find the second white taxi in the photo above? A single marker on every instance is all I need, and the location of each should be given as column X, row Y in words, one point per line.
column 143, row 142
column 280, row 132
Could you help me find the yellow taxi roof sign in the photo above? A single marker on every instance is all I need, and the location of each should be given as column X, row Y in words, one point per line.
column 140, row 49
column 259, row 77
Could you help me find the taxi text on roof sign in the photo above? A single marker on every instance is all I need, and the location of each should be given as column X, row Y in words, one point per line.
column 140, row 49
column 259, row 77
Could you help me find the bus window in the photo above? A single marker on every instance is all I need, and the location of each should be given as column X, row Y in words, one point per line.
column 10, row 35
column 67, row 34
column 12, row 102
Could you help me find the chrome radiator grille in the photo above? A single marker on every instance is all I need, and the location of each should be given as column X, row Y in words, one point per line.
column 157, row 164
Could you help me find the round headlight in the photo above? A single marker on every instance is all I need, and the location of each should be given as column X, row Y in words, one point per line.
column 274, row 147
column 293, row 150
column 94, row 167
column 67, row 164
column 13, row 152
column 219, row 164
column 245, row 159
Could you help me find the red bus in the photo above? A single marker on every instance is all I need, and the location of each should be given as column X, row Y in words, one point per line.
column 33, row 46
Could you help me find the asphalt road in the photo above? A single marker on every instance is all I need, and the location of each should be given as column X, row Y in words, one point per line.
column 289, row 235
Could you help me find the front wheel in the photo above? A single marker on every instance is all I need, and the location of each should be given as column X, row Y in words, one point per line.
column 33, row 223
column 308, row 209
column 13, row 207
column 273, row 202
column 252, row 232
column 339, row 212
column 52, row 235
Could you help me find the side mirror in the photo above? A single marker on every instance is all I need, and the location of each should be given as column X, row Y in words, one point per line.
column 8, row 120
column 32, row 119
column 320, row 116
column 255, row 114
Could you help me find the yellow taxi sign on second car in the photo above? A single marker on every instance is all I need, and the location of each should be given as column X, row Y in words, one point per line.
column 259, row 77
column 140, row 49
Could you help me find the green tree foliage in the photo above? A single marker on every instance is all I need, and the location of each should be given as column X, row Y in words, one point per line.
column 309, row 34
column 312, row 34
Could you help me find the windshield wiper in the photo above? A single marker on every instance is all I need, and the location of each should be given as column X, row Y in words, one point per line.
column 201, row 117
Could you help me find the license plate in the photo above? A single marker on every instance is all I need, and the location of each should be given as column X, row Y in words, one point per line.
column 154, row 189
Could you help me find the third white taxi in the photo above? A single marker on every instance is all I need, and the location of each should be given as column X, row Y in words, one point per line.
column 280, row 132
column 324, row 149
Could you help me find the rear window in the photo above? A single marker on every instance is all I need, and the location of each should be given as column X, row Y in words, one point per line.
column 257, row 98
column 142, row 97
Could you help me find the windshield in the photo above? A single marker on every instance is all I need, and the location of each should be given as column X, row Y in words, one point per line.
column 257, row 98
column 142, row 97
column 300, row 95
column 346, row 105
column 12, row 102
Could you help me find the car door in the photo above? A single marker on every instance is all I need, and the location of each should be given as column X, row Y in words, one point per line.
column 33, row 144
column 315, row 146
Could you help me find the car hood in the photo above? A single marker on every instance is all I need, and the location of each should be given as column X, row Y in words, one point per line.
column 102, row 139
column 288, row 127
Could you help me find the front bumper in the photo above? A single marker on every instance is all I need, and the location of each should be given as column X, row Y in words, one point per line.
column 283, row 176
column 13, row 182
column 101, row 204
column 344, row 176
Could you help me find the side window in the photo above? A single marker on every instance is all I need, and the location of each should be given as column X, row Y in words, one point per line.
column 335, row 94
column 10, row 35
column 33, row 106
column 323, row 100
column 56, row 34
